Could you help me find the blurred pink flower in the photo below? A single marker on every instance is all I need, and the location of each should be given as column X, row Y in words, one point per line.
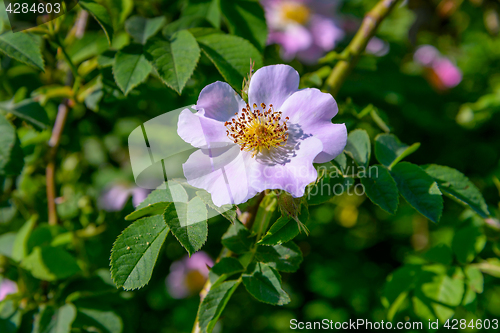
column 377, row 47
column 305, row 29
column 188, row 275
column 115, row 197
column 7, row 287
column 442, row 73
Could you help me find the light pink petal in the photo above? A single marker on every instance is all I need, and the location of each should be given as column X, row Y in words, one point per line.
column 312, row 111
column 293, row 175
column 293, row 39
column 219, row 101
column 201, row 132
column 222, row 172
column 273, row 85
column 325, row 32
column 447, row 72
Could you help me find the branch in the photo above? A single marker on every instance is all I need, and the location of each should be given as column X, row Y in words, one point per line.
column 358, row 44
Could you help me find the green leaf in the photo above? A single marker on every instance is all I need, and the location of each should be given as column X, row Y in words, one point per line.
column 119, row 10
column 20, row 248
column 29, row 110
column 438, row 294
column 174, row 59
column 50, row 263
column 102, row 16
column 223, row 269
column 419, row 189
column 11, row 154
column 214, row 303
column 264, row 213
column 7, row 241
column 286, row 257
column 158, row 200
column 130, row 67
column 456, row 185
column 99, row 316
column 206, row 9
column 285, row 229
column 228, row 211
column 141, row 29
column 231, row 56
column 246, row 19
column 490, row 266
column 188, row 223
column 185, row 23
column 264, row 283
column 474, row 279
column 467, row 243
column 398, row 286
column 381, row 188
column 52, row 320
column 10, row 316
column 22, row 47
column 237, row 238
column 135, row 252
column 358, row 147
column 439, row 254
column 389, row 150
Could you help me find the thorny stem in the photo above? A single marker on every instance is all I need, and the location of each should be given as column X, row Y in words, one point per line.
column 247, row 218
column 358, row 44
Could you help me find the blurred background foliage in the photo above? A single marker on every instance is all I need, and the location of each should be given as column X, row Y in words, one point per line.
column 353, row 248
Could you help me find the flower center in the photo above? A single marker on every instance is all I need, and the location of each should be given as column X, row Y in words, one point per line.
column 295, row 12
column 255, row 130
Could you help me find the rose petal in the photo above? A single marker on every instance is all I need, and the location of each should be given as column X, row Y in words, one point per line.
column 273, row 85
column 219, row 101
column 222, row 172
column 312, row 111
column 325, row 33
column 292, row 176
column 201, row 132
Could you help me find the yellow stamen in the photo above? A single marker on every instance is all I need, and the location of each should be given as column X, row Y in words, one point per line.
column 295, row 12
column 255, row 130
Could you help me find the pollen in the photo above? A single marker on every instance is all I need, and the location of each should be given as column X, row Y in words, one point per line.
column 295, row 12
column 257, row 129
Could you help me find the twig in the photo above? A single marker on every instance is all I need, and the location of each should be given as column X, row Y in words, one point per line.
column 358, row 44
column 55, row 139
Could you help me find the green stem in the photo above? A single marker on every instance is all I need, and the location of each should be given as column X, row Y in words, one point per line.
column 358, row 44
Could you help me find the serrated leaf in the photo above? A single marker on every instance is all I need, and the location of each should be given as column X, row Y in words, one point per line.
column 286, row 257
column 456, row 185
column 208, row 10
column 11, row 154
column 29, row 110
column 224, row 268
column 381, row 188
column 157, row 200
column 135, row 252
column 246, row 19
column 101, row 15
column 53, row 320
column 467, row 243
column 419, row 189
column 358, row 147
column 285, row 229
column 389, row 150
column 174, row 59
column 22, row 47
column 264, row 283
column 130, row 67
column 141, row 29
column 214, row 303
column 237, row 238
column 228, row 211
column 188, row 223
column 231, row 56
column 50, row 263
